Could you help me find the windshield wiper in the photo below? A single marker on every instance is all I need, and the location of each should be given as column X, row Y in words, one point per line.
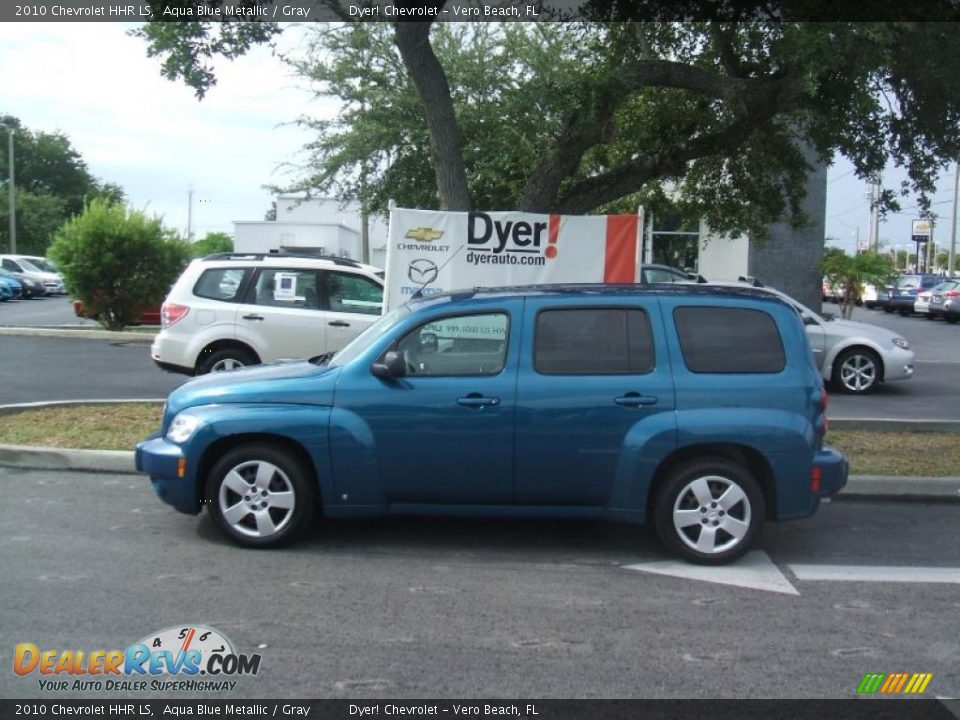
column 322, row 359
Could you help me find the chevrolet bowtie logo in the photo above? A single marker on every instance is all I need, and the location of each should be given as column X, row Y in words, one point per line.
column 424, row 234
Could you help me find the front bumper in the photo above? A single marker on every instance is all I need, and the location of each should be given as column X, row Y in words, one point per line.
column 160, row 459
column 834, row 471
column 897, row 364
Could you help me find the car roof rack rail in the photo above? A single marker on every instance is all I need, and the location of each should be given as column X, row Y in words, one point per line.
column 335, row 259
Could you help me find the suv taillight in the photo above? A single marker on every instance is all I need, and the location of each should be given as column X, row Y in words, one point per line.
column 952, row 293
column 171, row 313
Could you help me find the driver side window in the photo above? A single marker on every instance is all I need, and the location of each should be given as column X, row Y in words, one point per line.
column 464, row 345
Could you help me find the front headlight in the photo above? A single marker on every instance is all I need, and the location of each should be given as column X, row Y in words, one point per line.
column 901, row 343
column 27, row 283
column 182, row 427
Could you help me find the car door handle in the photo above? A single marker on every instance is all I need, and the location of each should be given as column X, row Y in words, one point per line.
column 478, row 401
column 338, row 323
column 635, row 400
column 253, row 317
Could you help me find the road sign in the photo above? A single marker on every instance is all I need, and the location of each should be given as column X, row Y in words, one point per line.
column 920, row 231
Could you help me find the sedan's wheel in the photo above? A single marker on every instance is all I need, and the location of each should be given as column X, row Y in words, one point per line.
column 856, row 371
column 904, row 312
column 260, row 496
column 709, row 511
column 222, row 360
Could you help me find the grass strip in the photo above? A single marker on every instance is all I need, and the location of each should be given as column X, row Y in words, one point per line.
column 121, row 426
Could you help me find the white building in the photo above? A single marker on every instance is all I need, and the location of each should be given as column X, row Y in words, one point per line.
column 316, row 224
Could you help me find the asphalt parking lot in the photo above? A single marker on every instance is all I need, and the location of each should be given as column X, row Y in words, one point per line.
column 406, row 608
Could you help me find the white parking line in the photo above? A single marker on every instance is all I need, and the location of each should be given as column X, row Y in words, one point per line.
column 876, row 573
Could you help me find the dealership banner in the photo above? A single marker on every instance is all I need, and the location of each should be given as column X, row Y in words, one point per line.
column 432, row 251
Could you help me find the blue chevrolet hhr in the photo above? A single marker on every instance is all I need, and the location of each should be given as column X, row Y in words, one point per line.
column 697, row 408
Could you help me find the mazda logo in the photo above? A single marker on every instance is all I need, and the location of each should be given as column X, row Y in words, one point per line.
column 422, row 272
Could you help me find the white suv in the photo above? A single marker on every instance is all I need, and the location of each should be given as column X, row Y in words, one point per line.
column 229, row 310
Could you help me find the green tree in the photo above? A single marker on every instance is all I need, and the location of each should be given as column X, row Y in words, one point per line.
column 212, row 242
column 853, row 272
column 52, row 184
column 584, row 117
column 117, row 261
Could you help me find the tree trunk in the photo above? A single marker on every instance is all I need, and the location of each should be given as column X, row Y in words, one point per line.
column 446, row 146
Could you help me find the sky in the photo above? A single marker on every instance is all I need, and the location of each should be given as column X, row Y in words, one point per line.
column 150, row 135
column 95, row 83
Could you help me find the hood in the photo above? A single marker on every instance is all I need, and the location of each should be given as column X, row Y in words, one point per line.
column 298, row 382
column 852, row 327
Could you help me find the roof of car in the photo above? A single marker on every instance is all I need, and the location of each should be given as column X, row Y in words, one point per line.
column 601, row 289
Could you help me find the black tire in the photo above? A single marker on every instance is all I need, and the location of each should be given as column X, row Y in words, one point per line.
column 246, row 528
column 857, row 371
column 887, row 309
column 719, row 475
column 221, row 360
column 950, row 318
column 930, row 316
column 904, row 312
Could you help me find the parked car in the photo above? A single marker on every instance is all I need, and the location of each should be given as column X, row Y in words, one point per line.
column 48, row 266
column 945, row 301
column 28, row 288
column 868, row 297
column 922, row 304
column 10, row 287
column 22, row 268
column 695, row 407
column 854, row 357
column 230, row 310
column 902, row 295
column 149, row 316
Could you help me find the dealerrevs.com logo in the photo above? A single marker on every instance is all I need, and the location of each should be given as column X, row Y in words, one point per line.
column 188, row 658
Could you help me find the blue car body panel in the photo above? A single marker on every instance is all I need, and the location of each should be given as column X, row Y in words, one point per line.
column 551, row 445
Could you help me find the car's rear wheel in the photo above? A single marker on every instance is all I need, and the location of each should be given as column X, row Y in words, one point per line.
column 856, row 371
column 709, row 511
column 905, row 312
column 260, row 496
column 231, row 358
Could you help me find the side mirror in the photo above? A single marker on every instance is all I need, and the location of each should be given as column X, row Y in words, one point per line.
column 809, row 320
column 392, row 366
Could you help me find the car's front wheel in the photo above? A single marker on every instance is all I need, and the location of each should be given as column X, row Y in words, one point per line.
column 856, row 371
column 260, row 496
column 709, row 511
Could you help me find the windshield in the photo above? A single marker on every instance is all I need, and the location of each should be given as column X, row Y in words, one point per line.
column 908, row 281
column 362, row 341
column 29, row 265
column 44, row 264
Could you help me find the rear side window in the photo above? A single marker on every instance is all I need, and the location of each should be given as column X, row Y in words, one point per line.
column 598, row 341
column 220, row 283
column 354, row 293
column 729, row 340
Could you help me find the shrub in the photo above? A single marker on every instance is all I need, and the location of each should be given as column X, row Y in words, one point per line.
column 117, row 260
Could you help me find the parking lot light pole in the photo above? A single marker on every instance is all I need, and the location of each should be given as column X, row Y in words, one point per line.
column 951, row 258
column 11, row 193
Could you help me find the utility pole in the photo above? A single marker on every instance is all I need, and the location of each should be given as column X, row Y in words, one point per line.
column 874, row 242
column 11, row 192
column 190, row 213
column 951, row 258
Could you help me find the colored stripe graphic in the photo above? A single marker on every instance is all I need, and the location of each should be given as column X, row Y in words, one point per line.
column 871, row 682
column 620, row 262
column 895, row 683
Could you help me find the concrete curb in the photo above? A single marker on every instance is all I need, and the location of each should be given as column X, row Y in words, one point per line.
column 14, row 408
column 49, row 458
column 78, row 334
column 875, row 487
column 894, row 425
